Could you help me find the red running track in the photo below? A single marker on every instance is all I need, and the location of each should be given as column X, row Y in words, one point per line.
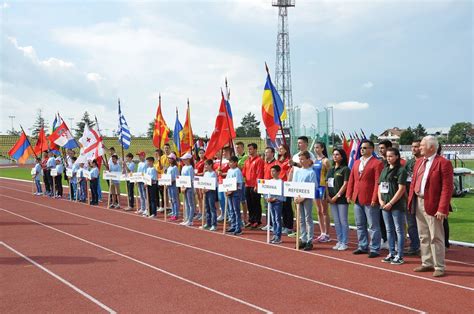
column 110, row 260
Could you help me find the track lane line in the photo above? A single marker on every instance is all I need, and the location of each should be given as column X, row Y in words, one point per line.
column 64, row 281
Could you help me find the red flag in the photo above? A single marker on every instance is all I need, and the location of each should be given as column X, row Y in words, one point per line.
column 187, row 139
column 345, row 145
column 221, row 135
column 161, row 130
column 41, row 143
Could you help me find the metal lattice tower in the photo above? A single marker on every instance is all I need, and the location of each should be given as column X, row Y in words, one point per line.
column 283, row 64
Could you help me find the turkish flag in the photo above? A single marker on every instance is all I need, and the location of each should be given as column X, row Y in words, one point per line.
column 222, row 132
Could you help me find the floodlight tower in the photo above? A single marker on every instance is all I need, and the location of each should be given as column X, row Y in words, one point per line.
column 283, row 64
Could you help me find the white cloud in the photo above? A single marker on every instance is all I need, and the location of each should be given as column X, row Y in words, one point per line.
column 350, row 105
column 94, row 77
column 5, row 5
column 368, row 85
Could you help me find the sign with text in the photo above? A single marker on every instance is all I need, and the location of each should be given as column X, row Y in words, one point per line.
column 107, row 175
column 183, row 181
column 33, row 172
column 228, row 185
column 69, row 173
column 54, row 172
column 164, row 179
column 86, row 174
column 147, row 179
column 137, row 177
column 273, row 187
column 124, row 177
column 205, row 183
column 299, row 189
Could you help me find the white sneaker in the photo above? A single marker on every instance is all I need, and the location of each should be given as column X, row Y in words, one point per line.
column 152, row 216
column 213, row 228
column 264, row 228
column 161, row 209
column 337, row 246
column 342, row 247
column 183, row 223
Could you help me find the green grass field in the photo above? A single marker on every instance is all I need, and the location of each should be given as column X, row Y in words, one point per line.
column 461, row 221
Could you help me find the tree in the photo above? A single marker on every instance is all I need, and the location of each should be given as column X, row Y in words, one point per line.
column 81, row 124
column 39, row 123
column 374, row 138
column 151, row 128
column 419, row 131
column 14, row 132
column 407, row 137
column 249, row 126
column 460, row 133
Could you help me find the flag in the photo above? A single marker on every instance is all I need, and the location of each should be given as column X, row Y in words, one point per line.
column 345, row 145
column 221, row 135
column 62, row 137
column 187, row 139
column 177, row 133
column 161, row 130
column 53, row 147
column 91, row 145
column 41, row 143
column 352, row 157
column 125, row 136
column 273, row 109
column 229, row 115
column 22, row 149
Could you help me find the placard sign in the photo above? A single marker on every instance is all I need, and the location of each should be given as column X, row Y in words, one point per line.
column 228, row 185
column 205, row 183
column 164, row 179
column 33, row 172
column 273, row 187
column 107, row 175
column 54, row 172
column 147, row 179
column 136, row 177
column 86, row 174
column 299, row 189
column 69, row 173
column 124, row 177
column 183, row 181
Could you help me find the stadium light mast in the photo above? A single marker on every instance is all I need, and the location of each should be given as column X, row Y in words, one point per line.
column 12, row 118
column 283, row 64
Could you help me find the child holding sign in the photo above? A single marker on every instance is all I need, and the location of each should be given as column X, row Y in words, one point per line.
column 234, row 196
column 188, row 171
column 153, row 188
column 210, row 197
column 275, row 205
column 94, row 181
column 172, row 170
column 141, row 186
column 58, row 178
column 37, row 176
column 305, row 205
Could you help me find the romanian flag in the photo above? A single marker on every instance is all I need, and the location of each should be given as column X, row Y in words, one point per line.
column 161, row 130
column 178, row 127
column 273, row 109
column 22, row 149
column 187, row 139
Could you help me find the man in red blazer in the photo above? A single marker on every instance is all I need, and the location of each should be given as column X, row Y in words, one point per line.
column 362, row 191
column 430, row 196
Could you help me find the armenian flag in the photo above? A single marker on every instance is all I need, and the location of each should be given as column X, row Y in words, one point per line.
column 273, row 109
column 21, row 150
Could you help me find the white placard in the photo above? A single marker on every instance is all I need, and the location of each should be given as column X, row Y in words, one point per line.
column 273, row 187
column 164, row 179
column 33, row 172
column 299, row 189
column 86, row 174
column 54, row 172
column 69, row 173
column 228, row 185
column 136, row 177
column 147, row 179
column 183, row 181
column 124, row 177
column 107, row 175
column 205, row 183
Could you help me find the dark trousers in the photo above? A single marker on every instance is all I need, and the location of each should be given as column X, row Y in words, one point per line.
column 94, row 192
column 47, row 180
column 287, row 214
column 152, row 191
column 160, row 198
column 254, row 205
column 446, row 232
column 383, row 230
column 131, row 194
column 72, row 191
column 59, row 185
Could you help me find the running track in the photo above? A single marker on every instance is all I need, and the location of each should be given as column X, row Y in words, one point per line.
column 59, row 256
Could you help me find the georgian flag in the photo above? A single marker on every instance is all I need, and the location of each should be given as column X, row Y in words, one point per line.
column 92, row 146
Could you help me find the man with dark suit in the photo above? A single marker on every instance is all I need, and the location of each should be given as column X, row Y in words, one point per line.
column 362, row 191
column 430, row 196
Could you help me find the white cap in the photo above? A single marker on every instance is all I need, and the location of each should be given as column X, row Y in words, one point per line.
column 58, row 158
column 172, row 156
column 187, row 156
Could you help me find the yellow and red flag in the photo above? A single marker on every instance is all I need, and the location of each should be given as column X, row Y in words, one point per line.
column 187, row 139
column 161, row 130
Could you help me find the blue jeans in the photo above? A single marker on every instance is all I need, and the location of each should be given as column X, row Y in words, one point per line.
column 395, row 225
column 189, row 195
column 339, row 214
column 221, row 198
column 306, row 221
column 72, row 189
column 233, row 206
column 276, row 209
column 413, row 232
column 83, row 191
column 38, row 186
column 141, row 193
column 211, row 211
column 368, row 217
column 99, row 191
column 173, row 196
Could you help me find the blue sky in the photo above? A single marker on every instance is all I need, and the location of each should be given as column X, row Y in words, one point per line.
column 379, row 63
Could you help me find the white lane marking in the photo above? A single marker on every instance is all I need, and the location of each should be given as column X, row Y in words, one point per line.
column 234, row 259
column 64, row 281
column 143, row 263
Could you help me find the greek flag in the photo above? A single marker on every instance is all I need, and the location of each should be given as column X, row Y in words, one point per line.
column 124, row 131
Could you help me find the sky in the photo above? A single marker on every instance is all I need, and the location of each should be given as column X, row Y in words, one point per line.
column 380, row 64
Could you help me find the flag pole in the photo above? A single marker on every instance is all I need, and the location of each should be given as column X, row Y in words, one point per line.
column 64, row 150
column 227, row 89
column 278, row 114
column 103, row 146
